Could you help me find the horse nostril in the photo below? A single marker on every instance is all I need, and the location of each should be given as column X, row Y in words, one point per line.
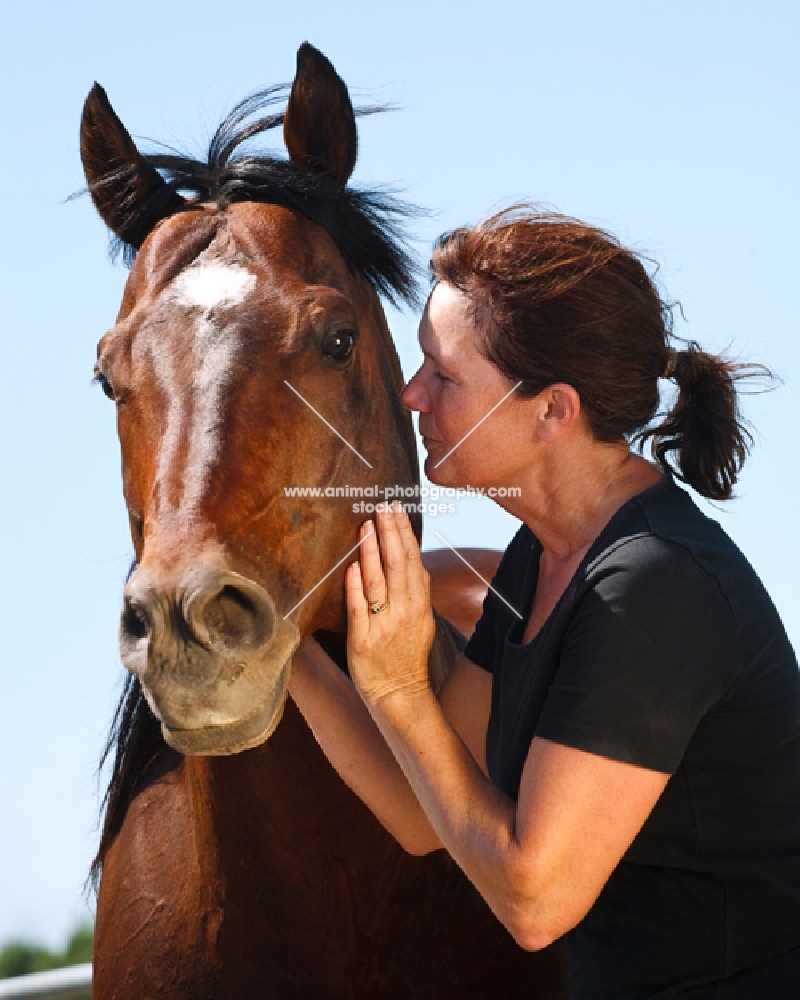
column 135, row 623
column 233, row 618
column 230, row 615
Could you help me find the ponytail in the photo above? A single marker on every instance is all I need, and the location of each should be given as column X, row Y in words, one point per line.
column 705, row 427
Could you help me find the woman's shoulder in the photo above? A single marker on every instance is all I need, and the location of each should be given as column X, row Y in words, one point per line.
column 662, row 544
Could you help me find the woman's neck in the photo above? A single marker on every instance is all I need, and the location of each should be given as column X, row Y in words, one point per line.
column 569, row 495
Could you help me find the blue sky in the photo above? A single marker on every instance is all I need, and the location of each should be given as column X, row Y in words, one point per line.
column 673, row 124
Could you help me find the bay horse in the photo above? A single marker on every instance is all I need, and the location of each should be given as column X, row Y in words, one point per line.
column 251, row 353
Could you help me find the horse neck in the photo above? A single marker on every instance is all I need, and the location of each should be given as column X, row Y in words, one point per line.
column 275, row 816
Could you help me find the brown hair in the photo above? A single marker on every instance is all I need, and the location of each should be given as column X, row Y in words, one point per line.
column 561, row 301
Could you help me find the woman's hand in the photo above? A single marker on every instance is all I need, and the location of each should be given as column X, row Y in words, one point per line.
column 387, row 651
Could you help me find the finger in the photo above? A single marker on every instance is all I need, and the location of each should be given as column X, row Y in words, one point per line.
column 393, row 557
column 417, row 575
column 372, row 575
column 357, row 608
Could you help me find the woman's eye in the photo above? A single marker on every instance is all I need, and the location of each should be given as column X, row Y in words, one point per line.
column 441, row 377
column 338, row 345
column 104, row 384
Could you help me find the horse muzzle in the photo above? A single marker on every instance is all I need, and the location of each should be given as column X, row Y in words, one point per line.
column 212, row 655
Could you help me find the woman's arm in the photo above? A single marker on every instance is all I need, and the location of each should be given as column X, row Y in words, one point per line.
column 354, row 746
column 540, row 863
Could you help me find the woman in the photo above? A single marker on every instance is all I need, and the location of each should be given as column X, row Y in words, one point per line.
column 616, row 755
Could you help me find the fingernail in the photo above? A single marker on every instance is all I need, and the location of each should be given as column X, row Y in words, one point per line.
column 367, row 527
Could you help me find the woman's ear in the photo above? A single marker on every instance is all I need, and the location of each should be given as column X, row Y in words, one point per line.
column 559, row 409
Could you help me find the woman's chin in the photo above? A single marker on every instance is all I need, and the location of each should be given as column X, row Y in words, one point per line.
column 439, row 476
column 432, row 474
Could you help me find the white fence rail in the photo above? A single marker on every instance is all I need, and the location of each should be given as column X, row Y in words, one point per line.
column 60, row 984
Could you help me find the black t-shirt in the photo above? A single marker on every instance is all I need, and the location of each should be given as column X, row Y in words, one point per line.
column 665, row 651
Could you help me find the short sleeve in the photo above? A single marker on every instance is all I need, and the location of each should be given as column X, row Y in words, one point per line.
column 509, row 580
column 650, row 649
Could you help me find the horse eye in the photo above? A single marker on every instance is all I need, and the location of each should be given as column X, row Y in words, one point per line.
column 338, row 345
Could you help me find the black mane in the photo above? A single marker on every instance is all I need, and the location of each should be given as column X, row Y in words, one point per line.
column 365, row 225
column 135, row 742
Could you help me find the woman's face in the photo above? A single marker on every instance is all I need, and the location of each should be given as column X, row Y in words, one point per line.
column 469, row 438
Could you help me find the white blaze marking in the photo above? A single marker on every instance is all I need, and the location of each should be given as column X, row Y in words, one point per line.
column 213, row 284
column 206, row 286
column 164, row 364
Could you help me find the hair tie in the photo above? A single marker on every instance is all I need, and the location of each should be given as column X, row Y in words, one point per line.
column 672, row 363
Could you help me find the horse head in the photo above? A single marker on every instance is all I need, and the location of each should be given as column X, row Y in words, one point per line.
column 250, row 355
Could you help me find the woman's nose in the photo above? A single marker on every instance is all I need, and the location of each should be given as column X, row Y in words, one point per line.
column 414, row 395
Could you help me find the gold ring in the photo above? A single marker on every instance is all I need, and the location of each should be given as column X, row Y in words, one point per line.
column 376, row 607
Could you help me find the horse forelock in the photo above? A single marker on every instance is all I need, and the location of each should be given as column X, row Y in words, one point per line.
column 365, row 224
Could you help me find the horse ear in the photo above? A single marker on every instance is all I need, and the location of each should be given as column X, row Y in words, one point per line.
column 129, row 194
column 319, row 127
